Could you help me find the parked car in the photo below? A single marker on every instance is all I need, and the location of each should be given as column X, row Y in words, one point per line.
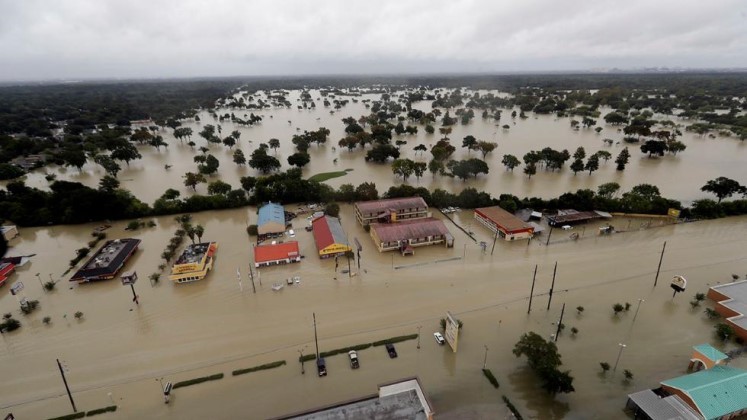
column 439, row 338
column 392, row 352
column 321, row 367
column 292, row 233
column 353, row 359
column 567, row 227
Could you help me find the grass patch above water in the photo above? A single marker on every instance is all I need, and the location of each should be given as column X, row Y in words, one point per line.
column 393, row 340
column 491, row 377
column 198, row 380
column 321, row 177
column 345, row 350
column 111, row 408
column 258, row 368
column 78, row 415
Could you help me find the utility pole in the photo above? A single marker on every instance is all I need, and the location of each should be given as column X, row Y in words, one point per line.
column 552, row 286
column 347, row 254
column 548, row 236
column 300, row 352
column 660, row 260
column 251, row 276
column 419, row 327
column 40, row 281
column 485, row 360
column 557, row 333
column 67, row 388
column 316, row 341
column 531, row 293
column 495, row 238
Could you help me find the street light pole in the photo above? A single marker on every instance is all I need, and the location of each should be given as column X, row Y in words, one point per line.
column 419, row 327
column 485, row 360
column 40, row 281
column 637, row 309
column 622, row 347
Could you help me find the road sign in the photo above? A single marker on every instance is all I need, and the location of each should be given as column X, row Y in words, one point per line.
column 16, row 288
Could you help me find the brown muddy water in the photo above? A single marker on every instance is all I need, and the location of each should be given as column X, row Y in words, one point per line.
column 679, row 177
column 118, row 351
column 179, row 332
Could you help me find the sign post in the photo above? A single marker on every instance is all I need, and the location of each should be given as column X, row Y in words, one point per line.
column 130, row 278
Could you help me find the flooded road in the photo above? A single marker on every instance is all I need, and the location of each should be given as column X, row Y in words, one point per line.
column 187, row 331
column 679, row 177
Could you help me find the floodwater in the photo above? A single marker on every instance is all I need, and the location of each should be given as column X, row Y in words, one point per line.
column 119, row 350
column 679, row 177
column 179, row 332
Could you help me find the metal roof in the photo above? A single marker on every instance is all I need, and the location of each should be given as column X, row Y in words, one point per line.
column 377, row 206
column 710, row 352
column 737, row 302
column 271, row 212
column 281, row 251
column 667, row 408
column 716, row 392
column 327, row 231
column 505, row 220
column 414, row 229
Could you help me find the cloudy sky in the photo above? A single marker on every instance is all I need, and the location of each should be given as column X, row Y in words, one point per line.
column 75, row 39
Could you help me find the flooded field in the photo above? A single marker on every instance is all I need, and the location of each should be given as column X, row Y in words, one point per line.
column 119, row 350
column 679, row 177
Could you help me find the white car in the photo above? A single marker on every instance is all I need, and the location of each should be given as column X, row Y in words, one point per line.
column 567, row 227
column 292, row 233
column 439, row 338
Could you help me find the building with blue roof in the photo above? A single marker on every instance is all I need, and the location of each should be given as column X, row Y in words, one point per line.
column 716, row 393
column 271, row 219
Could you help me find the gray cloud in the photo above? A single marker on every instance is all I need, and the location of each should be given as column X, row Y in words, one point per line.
column 176, row 38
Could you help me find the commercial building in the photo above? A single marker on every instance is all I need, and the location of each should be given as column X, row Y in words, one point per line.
column 403, row 399
column 194, row 263
column 717, row 393
column 574, row 217
column 275, row 254
column 107, row 261
column 6, row 269
column 731, row 304
column 505, row 224
column 329, row 237
column 404, row 236
column 391, row 210
column 271, row 220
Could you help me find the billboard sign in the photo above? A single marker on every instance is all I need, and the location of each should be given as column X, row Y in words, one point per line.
column 452, row 331
column 129, row 277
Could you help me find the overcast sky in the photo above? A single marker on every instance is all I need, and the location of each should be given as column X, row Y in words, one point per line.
column 73, row 39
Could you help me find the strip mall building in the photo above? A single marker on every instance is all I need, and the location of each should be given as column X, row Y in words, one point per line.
column 505, row 224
